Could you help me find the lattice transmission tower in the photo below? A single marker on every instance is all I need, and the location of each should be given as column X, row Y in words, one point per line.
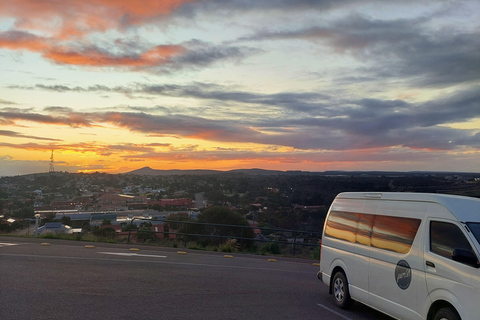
column 51, row 167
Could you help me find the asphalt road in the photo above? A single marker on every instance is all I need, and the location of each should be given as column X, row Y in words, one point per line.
column 71, row 280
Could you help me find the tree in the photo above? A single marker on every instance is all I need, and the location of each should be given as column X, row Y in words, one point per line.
column 5, row 227
column 86, row 227
column 222, row 216
column 25, row 212
column 177, row 217
column 66, row 221
column 145, row 232
column 105, row 232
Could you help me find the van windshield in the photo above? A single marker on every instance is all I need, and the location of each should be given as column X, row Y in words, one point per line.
column 475, row 228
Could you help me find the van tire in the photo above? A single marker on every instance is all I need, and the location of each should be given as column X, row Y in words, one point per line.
column 446, row 314
column 340, row 291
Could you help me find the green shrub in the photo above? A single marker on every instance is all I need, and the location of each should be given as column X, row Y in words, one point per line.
column 271, row 247
column 316, row 253
column 195, row 245
column 105, row 232
column 231, row 245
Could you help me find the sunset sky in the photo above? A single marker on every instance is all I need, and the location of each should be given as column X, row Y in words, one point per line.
column 313, row 85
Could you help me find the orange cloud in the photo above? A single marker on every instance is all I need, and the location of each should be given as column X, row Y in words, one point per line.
column 92, row 57
column 89, row 56
column 73, row 18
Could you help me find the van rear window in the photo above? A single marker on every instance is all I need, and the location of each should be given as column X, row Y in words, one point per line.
column 385, row 232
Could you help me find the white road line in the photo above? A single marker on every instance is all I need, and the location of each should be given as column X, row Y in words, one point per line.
column 6, row 244
column 132, row 254
column 334, row 312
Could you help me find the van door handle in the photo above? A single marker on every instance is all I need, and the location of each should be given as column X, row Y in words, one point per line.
column 430, row 264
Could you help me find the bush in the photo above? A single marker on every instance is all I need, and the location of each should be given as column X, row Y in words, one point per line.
column 316, row 253
column 195, row 245
column 231, row 245
column 105, row 232
column 271, row 247
column 147, row 235
column 237, row 226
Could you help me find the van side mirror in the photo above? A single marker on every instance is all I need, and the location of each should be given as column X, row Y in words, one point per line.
column 466, row 257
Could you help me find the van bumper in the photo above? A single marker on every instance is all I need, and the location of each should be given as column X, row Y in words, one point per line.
column 320, row 276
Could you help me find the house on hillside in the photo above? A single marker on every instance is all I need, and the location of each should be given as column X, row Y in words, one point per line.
column 54, row 227
column 120, row 202
column 158, row 230
column 77, row 220
column 180, row 202
column 97, row 219
column 62, row 204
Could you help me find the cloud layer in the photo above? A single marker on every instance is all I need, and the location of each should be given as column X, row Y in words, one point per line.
column 307, row 121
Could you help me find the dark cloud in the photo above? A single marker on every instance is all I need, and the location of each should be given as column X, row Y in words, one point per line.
column 179, row 125
column 7, row 102
column 200, row 54
column 14, row 134
column 311, row 102
column 404, row 48
column 55, row 109
column 440, row 61
column 56, row 88
column 236, row 7
column 372, row 123
column 72, row 119
column 22, row 40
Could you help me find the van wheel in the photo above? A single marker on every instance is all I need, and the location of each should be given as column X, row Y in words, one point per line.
column 446, row 314
column 341, row 292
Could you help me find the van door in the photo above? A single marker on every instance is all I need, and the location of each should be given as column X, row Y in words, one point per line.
column 362, row 257
column 453, row 281
column 396, row 275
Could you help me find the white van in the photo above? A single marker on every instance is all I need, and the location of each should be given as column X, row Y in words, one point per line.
column 409, row 255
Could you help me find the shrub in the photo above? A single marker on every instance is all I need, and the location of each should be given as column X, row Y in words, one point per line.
column 271, row 247
column 231, row 245
column 105, row 232
column 316, row 253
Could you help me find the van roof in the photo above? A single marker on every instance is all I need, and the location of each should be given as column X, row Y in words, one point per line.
column 465, row 209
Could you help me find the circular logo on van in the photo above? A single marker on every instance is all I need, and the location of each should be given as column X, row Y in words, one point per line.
column 403, row 274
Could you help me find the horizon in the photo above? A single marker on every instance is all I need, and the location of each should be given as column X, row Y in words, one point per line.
column 312, row 86
column 253, row 169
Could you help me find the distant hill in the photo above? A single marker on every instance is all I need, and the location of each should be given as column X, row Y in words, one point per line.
column 258, row 171
column 147, row 171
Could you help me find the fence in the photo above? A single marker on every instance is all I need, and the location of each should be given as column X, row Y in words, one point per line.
column 293, row 240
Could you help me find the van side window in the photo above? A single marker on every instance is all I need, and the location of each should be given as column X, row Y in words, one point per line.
column 342, row 225
column 394, row 233
column 444, row 237
column 364, row 229
column 384, row 232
